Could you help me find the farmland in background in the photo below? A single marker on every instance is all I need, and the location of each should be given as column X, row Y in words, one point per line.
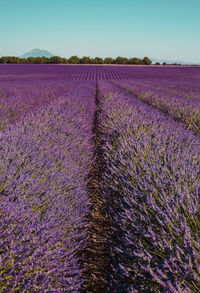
column 99, row 178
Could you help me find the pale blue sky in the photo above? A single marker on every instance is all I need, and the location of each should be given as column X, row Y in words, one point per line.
column 155, row 28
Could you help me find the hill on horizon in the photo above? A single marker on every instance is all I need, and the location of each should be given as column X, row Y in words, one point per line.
column 37, row 53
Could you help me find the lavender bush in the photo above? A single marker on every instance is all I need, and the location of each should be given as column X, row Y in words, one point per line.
column 18, row 98
column 45, row 159
column 184, row 109
column 151, row 184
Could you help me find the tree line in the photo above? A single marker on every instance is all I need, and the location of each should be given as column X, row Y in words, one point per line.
column 74, row 60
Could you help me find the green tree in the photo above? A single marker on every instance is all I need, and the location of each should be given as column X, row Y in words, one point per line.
column 30, row 60
column 121, row 60
column 147, row 61
column 23, row 60
column 97, row 60
column 74, row 60
column 108, row 60
column 55, row 60
column 85, row 60
column 10, row 59
column 65, row 61
column 135, row 60
column 40, row 60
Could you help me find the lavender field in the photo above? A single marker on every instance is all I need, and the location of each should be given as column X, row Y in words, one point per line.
column 99, row 178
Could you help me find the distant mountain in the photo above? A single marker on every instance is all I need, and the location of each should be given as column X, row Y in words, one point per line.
column 154, row 60
column 37, row 53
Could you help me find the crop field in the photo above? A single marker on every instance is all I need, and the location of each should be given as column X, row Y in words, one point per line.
column 99, row 178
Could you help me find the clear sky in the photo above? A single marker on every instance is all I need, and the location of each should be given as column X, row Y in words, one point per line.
column 167, row 29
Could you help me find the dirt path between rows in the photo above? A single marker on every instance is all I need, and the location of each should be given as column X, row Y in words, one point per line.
column 96, row 256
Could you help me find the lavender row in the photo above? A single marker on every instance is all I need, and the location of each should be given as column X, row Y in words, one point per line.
column 187, row 88
column 151, row 185
column 67, row 72
column 22, row 72
column 19, row 98
column 178, row 107
column 45, row 160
